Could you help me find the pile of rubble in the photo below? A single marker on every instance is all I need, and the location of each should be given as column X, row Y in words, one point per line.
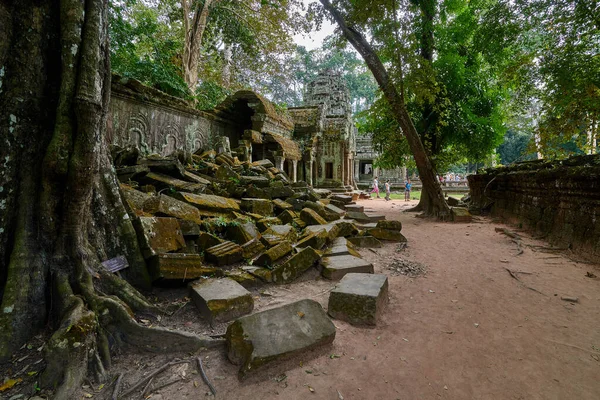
column 217, row 217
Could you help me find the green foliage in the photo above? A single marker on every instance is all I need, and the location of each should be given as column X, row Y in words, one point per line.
column 515, row 147
column 144, row 48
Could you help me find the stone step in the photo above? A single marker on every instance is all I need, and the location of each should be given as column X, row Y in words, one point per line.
column 359, row 299
column 276, row 334
column 337, row 266
column 180, row 267
column 221, row 300
column 224, row 253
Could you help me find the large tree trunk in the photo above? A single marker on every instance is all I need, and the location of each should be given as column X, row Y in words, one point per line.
column 436, row 204
column 61, row 212
column 194, row 25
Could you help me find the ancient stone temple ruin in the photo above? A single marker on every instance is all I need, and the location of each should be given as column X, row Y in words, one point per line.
column 317, row 142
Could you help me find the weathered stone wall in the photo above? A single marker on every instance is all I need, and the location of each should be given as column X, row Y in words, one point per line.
column 557, row 199
column 154, row 122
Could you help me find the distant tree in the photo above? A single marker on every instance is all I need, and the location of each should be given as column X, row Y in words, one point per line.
column 515, row 147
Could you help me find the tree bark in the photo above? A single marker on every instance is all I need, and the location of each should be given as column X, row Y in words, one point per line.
column 194, row 24
column 61, row 211
column 437, row 205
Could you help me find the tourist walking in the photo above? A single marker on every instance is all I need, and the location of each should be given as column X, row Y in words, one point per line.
column 407, row 188
column 375, row 187
column 387, row 190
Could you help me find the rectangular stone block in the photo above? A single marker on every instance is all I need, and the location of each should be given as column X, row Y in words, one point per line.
column 295, row 266
column 286, row 232
column 224, row 253
column 367, row 241
column 179, row 266
column 252, row 248
column 269, row 257
column 354, row 208
column 359, row 299
column 258, row 206
column 336, row 267
column 159, row 235
column 311, row 217
column 316, row 240
column 210, row 205
column 386, row 234
column 341, row 247
column 162, row 181
column 277, row 334
column 221, row 300
column 165, row 206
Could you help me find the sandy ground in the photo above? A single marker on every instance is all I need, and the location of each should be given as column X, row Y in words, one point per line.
column 464, row 330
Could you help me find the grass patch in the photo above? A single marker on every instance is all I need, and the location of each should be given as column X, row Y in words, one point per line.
column 416, row 195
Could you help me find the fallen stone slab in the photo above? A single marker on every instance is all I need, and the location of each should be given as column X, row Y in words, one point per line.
column 245, row 279
column 295, row 266
column 287, row 216
column 375, row 217
column 180, row 267
column 252, row 248
column 261, row 273
column 135, row 199
column 189, row 229
column 365, row 241
column 341, row 247
column 341, row 198
column 263, row 163
column 258, row 181
column 165, row 206
column 335, row 210
column 282, row 205
column 316, row 240
column 193, row 177
column 286, row 232
column 358, row 216
column 311, row 217
column 164, row 165
column 277, row 334
column 241, row 232
column 345, row 228
column 461, row 214
column 162, row 181
column 322, row 192
column 336, row 267
column 257, row 206
column 159, row 235
column 391, row 225
column 221, row 300
column 269, row 257
column 224, row 253
column 386, row 234
column 210, row 205
column 354, row 208
column 132, row 172
column 207, row 240
column 359, row 298
column 265, row 223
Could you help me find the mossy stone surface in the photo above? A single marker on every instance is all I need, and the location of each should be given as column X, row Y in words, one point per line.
column 295, row 266
column 335, row 267
column 311, row 217
column 277, row 334
column 221, row 300
column 386, row 234
column 359, row 298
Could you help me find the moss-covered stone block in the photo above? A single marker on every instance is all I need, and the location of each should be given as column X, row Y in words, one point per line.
column 180, row 267
column 386, row 234
column 295, row 266
column 224, row 253
column 316, row 240
column 311, row 217
column 262, row 207
column 159, row 235
column 366, row 241
column 335, row 267
column 252, row 248
column 210, row 205
column 165, row 206
column 391, row 225
column 274, row 254
column 359, row 299
column 221, row 300
column 277, row 334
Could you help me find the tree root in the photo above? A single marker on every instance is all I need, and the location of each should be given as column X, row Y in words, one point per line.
column 205, row 378
column 151, row 376
column 513, row 274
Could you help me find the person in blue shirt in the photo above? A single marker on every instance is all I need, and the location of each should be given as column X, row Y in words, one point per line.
column 407, row 188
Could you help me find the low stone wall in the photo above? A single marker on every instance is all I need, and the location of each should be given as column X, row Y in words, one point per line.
column 559, row 200
column 154, row 122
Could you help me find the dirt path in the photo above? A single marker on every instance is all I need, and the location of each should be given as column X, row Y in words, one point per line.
column 464, row 330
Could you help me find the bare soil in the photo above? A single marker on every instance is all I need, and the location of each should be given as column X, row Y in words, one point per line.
column 462, row 328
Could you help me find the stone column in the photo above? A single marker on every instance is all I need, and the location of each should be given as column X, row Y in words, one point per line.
column 356, row 171
column 404, row 174
column 294, row 170
column 279, row 162
column 309, row 173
